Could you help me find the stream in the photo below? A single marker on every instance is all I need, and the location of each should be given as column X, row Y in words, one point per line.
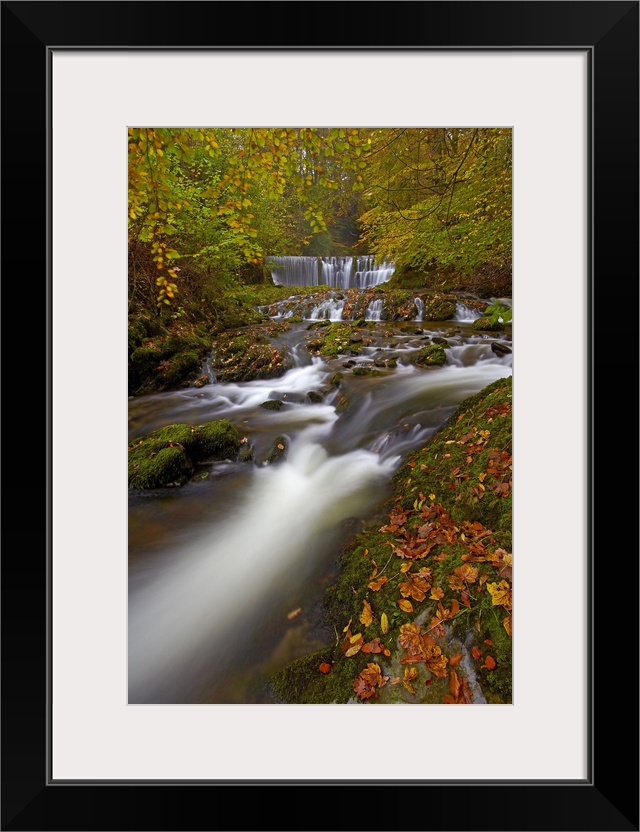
column 227, row 573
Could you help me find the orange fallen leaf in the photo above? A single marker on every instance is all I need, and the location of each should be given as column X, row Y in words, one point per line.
column 476, row 652
column 490, row 662
column 410, row 673
column 488, row 641
column 454, row 661
column 325, row 667
column 378, row 583
column 293, row 613
column 405, row 606
column 367, row 616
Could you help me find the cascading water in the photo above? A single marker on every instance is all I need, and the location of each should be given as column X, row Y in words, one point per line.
column 216, row 566
column 362, row 272
column 330, row 309
column 420, row 307
column 374, row 310
column 466, row 314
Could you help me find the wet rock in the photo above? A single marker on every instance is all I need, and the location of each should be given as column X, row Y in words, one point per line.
column 442, row 341
column 314, row 396
column 272, row 404
column 431, row 356
column 278, row 450
column 167, row 456
column 485, row 324
column 366, row 371
column 336, row 378
column 355, row 338
column 500, row 349
column 202, row 381
column 349, row 364
column 201, row 475
column 418, row 331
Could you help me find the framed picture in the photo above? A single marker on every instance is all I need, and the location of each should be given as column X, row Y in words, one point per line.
column 564, row 78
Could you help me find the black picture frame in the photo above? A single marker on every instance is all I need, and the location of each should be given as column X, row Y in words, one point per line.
column 608, row 798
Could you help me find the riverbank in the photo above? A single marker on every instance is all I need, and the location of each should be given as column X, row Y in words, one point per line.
column 422, row 605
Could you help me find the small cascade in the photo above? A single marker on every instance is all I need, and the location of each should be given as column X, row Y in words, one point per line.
column 374, row 310
column 420, row 307
column 466, row 314
column 362, row 272
column 330, row 309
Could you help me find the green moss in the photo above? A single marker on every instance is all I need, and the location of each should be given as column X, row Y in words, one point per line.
column 432, row 355
column 301, row 682
column 366, row 371
column 248, row 355
column 295, row 319
column 485, row 324
column 272, row 404
column 169, row 454
column 156, row 468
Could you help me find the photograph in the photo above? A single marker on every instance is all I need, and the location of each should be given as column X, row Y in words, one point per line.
column 320, row 409
column 270, row 272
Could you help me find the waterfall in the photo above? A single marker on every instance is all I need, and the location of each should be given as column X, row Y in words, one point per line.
column 329, row 310
column 466, row 314
column 362, row 272
column 294, row 271
column 374, row 310
column 420, row 307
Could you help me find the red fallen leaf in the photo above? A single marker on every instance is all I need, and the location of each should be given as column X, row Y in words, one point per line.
column 454, row 661
column 476, row 653
column 490, row 662
column 488, row 641
column 325, row 667
column 411, row 464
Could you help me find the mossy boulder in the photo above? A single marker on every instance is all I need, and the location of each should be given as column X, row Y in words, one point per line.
column 166, row 363
column 272, row 404
column 432, row 355
column 248, row 354
column 278, row 451
column 366, row 371
column 485, row 324
column 167, row 456
column 315, row 396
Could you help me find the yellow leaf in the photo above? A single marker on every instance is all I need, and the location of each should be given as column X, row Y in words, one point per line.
column 432, row 496
column 410, row 673
column 353, row 650
column 406, row 606
column 348, row 625
column 357, row 637
column 384, row 622
column 506, row 623
column 367, row 616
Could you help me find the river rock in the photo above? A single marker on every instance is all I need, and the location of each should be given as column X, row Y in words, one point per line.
column 335, row 379
column 201, row 382
column 272, row 404
column 500, row 349
column 278, row 450
column 314, row 396
column 355, row 338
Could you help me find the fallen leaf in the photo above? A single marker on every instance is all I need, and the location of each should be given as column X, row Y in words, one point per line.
column 476, row 652
column 405, row 606
column 436, row 593
column 356, row 648
column 367, row 616
column 293, row 613
column 489, row 662
column 384, row 622
column 410, row 673
column 325, row 667
column 378, row 583
column 506, row 623
column 488, row 641
column 454, row 661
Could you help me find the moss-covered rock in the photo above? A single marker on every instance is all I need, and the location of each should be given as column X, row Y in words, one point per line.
column 272, row 404
column 166, row 363
column 167, row 456
column 315, row 396
column 486, row 325
column 248, row 354
column 433, row 355
column 366, row 371
column 278, row 450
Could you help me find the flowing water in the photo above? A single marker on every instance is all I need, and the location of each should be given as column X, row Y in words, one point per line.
column 217, row 566
column 362, row 272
